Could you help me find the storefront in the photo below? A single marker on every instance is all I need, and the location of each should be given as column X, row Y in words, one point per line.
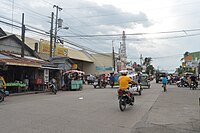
column 21, row 74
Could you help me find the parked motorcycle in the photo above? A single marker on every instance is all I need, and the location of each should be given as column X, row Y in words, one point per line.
column 125, row 98
column 100, row 84
column 53, row 86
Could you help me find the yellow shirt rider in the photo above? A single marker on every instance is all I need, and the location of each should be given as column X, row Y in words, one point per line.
column 124, row 81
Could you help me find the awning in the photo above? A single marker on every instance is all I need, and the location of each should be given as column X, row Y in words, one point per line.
column 11, row 59
column 25, row 64
column 52, row 68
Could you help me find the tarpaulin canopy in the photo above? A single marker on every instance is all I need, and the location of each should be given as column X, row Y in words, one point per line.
column 74, row 71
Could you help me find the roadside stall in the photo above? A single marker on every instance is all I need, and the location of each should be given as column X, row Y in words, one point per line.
column 73, row 79
column 17, row 86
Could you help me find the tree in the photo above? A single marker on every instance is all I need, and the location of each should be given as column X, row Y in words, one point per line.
column 150, row 69
column 147, row 64
column 147, row 61
column 138, row 68
column 186, row 54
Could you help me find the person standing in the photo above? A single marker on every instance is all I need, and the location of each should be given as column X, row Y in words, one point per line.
column 164, row 82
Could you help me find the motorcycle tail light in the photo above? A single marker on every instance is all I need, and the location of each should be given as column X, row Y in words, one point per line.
column 120, row 92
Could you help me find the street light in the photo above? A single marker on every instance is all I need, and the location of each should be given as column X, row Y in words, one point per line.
column 59, row 25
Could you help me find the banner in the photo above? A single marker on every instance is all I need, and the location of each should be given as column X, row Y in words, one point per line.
column 74, row 66
column 45, row 49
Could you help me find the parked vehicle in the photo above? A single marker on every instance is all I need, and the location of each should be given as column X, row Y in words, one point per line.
column 125, row 98
column 53, row 86
column 99, row 83
column 2, row 88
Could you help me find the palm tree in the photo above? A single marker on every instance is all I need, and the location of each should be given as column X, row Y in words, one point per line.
column 147, row 61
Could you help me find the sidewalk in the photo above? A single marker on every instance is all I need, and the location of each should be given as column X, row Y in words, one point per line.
column 176, row 111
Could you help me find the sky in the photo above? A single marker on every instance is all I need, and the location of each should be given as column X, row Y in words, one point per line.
column 161, row 29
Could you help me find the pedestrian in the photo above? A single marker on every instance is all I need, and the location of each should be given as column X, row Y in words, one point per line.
column 164, row 83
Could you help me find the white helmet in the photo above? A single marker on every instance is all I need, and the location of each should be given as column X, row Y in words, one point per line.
column 124, row 72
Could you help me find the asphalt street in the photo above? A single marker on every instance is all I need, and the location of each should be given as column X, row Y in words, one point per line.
column 96, row 111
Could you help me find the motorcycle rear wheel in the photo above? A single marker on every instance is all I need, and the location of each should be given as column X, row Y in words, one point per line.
column 122, row 104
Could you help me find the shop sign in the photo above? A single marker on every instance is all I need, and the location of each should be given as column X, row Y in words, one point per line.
column 103, row 68
column 45, row 49
column 100, row 68
column 108, row 68
column 74, row 66
column 46, row 75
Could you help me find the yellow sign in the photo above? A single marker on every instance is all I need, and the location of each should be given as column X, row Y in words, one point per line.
column 45, row 49
column 74, row 66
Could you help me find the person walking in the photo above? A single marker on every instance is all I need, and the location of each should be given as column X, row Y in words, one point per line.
column 164, row 83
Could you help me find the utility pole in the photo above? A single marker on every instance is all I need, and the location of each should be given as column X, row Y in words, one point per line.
column 23, row 36
column 51, row 35
column 141, row 59
column 56, row 23
column 113, row 52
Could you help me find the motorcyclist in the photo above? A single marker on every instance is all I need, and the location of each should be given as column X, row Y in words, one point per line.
column 124, row 83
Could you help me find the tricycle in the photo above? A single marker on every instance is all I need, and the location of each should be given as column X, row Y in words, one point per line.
column 145, row 81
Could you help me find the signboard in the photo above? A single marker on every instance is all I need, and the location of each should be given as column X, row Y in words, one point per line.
column 45, row 49
column 102, row 68
column 192, row 64
column 46, row 75
column 74, row 66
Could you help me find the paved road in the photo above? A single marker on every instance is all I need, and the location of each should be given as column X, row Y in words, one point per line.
column 96, row 111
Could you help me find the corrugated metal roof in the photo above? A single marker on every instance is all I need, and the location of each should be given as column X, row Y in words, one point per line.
column 9, row 58
column 78, row 55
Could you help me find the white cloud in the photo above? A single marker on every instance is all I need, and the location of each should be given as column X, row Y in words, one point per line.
column 114, row 16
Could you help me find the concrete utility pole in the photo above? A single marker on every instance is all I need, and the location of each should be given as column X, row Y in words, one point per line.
column 56, row 23
column 23, row 35
column 51, row 34
column 113, row 52
column 141, row 58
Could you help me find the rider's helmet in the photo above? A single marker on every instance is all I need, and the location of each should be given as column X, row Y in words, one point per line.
column 124, row 72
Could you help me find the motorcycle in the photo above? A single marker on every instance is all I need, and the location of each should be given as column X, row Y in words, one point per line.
column 100, row 83
column 125, row 97
column 182, row 83
column 193, row 86
column 52, row 86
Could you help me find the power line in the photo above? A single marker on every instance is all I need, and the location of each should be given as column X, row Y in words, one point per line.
column 136, row 34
